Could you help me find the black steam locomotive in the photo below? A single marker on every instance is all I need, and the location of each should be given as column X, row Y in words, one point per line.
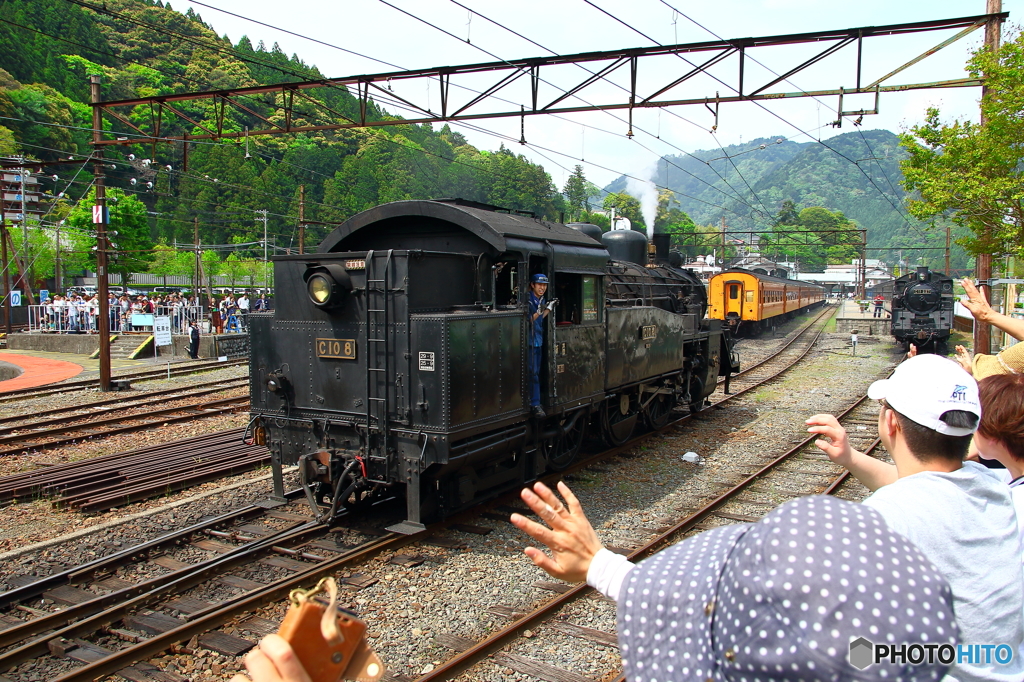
column 396, row 358
column 922, row 310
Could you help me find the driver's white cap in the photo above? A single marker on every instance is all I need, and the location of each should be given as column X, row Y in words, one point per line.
column 925, row 387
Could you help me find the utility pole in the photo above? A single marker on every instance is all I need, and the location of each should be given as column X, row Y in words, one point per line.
column 947, row 249
column 6, row 271
column 266, row 276
column 983, row 263
column 863, row 284
column 100, row 217
column 302, row 219
column 723, row 245
column 197, row 281
column 56, row 262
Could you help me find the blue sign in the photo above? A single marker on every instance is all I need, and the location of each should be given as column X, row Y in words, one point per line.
column 44, row 294
column 15, row 297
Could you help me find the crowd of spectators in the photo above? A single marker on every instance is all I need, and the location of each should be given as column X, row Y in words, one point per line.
column 78, row 313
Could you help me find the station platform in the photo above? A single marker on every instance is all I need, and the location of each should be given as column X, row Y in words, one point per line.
column 850, row 317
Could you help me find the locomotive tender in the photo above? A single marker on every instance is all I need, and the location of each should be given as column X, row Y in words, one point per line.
column 922, row 310
column 752, row 301
column 395, row 358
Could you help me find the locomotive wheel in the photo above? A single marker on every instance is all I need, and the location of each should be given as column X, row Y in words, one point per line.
column 659, row 411
column 562, row 451
column 618, row 419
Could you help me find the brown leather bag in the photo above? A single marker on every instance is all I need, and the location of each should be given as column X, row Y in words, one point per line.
column 330, row 643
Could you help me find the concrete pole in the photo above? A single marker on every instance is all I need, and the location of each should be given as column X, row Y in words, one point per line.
column 302, row 219
column 983, row 264
column 101, row 234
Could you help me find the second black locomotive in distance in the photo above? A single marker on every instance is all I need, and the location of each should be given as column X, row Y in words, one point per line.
column 396, row 357
column 922, row 309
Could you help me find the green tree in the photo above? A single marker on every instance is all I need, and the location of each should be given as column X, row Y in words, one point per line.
column 976, row 172
column 626, row 206
column 576, row 196
column 131, row 246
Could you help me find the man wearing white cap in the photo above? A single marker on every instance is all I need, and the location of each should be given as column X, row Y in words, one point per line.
column 956, row 512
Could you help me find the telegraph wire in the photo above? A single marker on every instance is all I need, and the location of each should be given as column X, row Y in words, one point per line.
column 838, row 112
column 737, row 196
column 768, row 213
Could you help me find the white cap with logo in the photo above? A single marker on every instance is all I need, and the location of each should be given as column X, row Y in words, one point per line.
column 925, row 387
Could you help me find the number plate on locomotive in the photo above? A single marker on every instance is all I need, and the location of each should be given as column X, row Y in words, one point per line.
column 648, row 332
column 336, row 349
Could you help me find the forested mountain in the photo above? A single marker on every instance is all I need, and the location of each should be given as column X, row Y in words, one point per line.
column 857, row 173
column 48, row 48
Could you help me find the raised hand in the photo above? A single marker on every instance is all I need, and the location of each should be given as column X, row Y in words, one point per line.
column 976, row 301
column 966, row 360
column 838, row 446
column 568, row 534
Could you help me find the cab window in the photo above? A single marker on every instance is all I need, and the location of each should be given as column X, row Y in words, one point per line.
column 578, row 298
column 734, row 291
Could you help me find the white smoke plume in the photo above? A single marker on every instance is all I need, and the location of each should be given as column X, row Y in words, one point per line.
column 646, row 191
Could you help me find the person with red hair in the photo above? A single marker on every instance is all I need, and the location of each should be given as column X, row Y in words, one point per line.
column 1000, row 434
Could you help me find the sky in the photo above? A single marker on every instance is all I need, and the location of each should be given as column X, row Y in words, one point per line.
column 379, row 30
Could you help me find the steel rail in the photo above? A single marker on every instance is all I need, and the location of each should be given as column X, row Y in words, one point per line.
column 32, row 483
column 127, row 555
column 142, row 375
column 88, row 617
column 123, row 402
column 225, row 612
column 78, row 420
column 142, row 421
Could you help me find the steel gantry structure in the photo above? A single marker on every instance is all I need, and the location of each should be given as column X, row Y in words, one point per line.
column 694, row 59
column 653, row 82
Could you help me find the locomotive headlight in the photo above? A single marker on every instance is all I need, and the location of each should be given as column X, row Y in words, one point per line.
column 327, row 284
column 319, row 289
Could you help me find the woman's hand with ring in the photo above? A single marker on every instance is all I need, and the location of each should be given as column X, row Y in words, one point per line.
column 570, row 537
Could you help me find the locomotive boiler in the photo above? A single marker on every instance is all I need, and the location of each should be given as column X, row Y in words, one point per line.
column 922, row 310
column 395, row 358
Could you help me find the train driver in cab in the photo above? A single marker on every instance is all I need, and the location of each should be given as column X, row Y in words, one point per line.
column 540, row 307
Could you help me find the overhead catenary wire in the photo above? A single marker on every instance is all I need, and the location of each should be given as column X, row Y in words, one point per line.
column 635, row 126
column 773, row 113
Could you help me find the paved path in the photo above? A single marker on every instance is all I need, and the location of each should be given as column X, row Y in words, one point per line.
column 38, row 371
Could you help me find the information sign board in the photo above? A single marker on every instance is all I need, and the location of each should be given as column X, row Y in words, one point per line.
column 162, row 330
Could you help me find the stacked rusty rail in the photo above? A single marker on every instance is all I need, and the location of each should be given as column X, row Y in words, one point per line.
column 105, row 482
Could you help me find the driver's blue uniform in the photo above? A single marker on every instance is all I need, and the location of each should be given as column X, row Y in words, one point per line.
column 536, row 347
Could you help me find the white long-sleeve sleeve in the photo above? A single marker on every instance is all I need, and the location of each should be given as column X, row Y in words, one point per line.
column 607, row 572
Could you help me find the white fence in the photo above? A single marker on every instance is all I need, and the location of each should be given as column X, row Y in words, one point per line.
column 83, row 318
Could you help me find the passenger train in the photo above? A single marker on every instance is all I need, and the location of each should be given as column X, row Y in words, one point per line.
column 750, row 302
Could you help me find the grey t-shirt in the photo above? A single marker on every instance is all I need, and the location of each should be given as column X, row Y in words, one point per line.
column 965, row 523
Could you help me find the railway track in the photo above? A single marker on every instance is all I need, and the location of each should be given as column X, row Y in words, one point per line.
column 13, row 444
column 762, row 490
column 115, row 625
column 121, row 478
column 38, row 421
column 140, row 375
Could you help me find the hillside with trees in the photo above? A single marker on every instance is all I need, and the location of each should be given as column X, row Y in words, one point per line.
column 857, row 175
column 141, row 48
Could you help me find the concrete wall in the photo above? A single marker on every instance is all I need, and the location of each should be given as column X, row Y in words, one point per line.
column 79, row 344
column 865, row 327
column 87, row 344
